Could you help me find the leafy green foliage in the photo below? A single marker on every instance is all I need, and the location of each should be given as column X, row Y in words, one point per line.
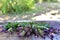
column 7, row 26
column 41, row 25
column 16, row 5
column 24, row 24
column 36, row 1
column 24, row 29
column 50, row 0
column 10, row 25
column 4, row 2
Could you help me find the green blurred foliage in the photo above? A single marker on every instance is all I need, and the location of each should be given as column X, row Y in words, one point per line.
column 10, row 25
column 24, row 24
column 39, row 26
column 40, row 1
column 16, row 5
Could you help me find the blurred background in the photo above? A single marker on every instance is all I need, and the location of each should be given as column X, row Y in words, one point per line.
column 12, row 10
